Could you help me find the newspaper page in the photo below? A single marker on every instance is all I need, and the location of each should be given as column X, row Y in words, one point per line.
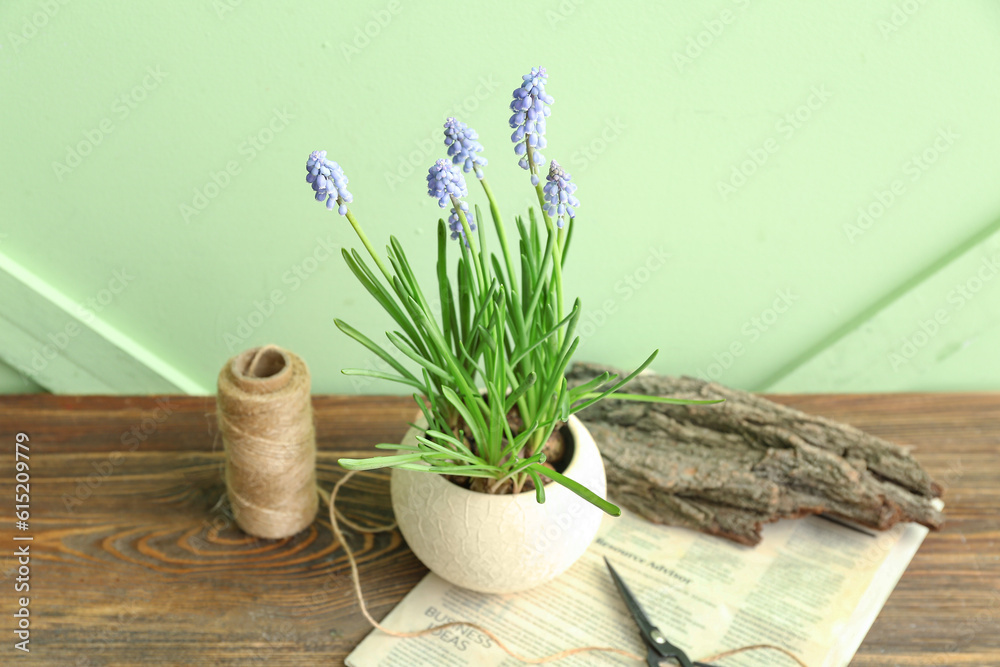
column 811, row 586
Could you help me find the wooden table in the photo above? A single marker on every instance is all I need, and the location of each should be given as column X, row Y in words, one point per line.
column 133, row 561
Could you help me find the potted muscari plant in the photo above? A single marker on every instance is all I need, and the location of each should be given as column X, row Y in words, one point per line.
column 498, row 487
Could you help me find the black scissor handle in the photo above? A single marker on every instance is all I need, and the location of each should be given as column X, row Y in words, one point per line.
column 659, row 653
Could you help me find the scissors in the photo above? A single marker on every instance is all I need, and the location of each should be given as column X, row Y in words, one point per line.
column 658, row 648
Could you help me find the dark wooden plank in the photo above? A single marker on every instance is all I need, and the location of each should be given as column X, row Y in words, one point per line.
column 133, row 562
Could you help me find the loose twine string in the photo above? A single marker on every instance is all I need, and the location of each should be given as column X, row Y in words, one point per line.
column 265, row 418
column 336, row 516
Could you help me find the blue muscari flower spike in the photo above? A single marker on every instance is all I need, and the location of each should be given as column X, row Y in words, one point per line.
column 455, row 223
column 530, row 107
column 463, row 146
column 328, row 181
column 445, row 182
column 558, row 191
column 447, row 185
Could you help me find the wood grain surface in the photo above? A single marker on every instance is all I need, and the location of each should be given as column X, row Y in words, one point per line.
column 135, row 561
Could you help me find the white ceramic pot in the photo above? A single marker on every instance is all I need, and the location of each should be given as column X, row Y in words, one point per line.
column 500, row 543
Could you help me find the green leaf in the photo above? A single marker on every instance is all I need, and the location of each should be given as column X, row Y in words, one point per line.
column 435, row 407
column 540, row 287
column 539, row 487
column 573, row 315
column 402, row 448
column 521, row 247
column 646, row 398
column 527, row 273
column 405, row 271
column 569, row 237
column 592, row 384
column 483, row 252
column 451, row 452
column 497, row 420
column 498, row 272
column 461, row 471
column 458, row 374
column 516, row 394
column 484, row 307
column 428, row 414
column 486, row 338
column 473, row 267
column 465, row 291
column 403, row 347
column 617, row 386
column 562, row 401
column 382, row 376
column 473, row 419
column 470, row 359
column 557, row 376
column 501, row 231
column 447, row 437
column 522, row 465
column 578, row 489
column 374, row 287
column 520, row 335
column 449, row 322
column 374, row 347
column 375, row 462
column 518, row 444
column 536, row 245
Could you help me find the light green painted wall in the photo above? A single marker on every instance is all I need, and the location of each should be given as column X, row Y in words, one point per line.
column 171, row 94
column 13, row 382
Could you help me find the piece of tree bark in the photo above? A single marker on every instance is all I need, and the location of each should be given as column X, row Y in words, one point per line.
column 729, row 468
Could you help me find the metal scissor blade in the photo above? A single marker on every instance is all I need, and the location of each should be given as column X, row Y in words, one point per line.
column 645, row 625
column 659, row 647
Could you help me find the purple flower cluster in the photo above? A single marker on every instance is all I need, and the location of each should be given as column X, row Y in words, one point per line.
column 447, row 185
column 328, row 181
column 455, row 223
column 445, row 182
column 530, row 107
column 463, row 146
column 559, row 198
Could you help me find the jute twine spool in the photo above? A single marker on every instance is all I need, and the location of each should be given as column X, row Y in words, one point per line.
column 265, row 418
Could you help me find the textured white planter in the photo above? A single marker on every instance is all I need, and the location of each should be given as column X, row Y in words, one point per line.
column 500, row 543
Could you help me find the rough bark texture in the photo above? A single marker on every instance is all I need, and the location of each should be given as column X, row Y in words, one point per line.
column 727, row 469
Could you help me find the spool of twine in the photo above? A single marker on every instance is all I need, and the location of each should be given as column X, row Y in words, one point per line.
column 265, row 418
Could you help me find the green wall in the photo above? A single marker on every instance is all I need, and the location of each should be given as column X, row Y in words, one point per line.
column 831, row 108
